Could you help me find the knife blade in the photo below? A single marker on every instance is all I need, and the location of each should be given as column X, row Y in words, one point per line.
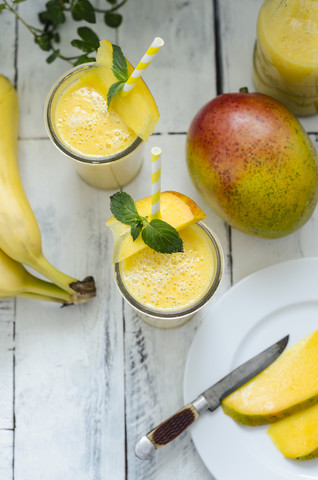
column 210, row 399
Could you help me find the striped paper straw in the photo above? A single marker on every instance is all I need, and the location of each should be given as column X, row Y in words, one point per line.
column 142, row 65
column 155, row 181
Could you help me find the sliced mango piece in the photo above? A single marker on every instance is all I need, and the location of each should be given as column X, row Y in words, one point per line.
column 176, row 209
column 288, row 385
column 137, row 109
column 296, row 437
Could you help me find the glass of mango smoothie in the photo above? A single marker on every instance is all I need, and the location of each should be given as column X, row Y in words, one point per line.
column 103, row 132
column 285, row 63
column 106, row 152
column 165, row 289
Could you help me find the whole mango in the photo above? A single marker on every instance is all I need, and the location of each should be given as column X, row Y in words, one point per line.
column 253, row 163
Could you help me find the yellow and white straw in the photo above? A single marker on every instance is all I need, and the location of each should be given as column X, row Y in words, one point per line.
column 155, row 181
column 142, row 65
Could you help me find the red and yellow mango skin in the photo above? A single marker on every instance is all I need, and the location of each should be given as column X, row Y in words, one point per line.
column 254, row 164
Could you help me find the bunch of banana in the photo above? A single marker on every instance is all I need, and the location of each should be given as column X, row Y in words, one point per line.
column 20, row 236
column 16, row 281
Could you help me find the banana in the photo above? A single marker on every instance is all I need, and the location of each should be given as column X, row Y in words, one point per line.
column 37, row 296
column 16, row 281
column 20, row 236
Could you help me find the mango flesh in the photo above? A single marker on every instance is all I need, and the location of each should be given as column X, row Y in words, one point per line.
column 138, row 109
column 253, row 163
column 296, row 437
column 288, row 385
column 177, row 209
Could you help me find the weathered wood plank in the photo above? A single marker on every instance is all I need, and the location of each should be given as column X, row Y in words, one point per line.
column 182, row 76
column 69, row 361
column 8, row 45
column 238, row 33
column 6, row 457
column 7, row 307
column 155, row 359
column 6, row 363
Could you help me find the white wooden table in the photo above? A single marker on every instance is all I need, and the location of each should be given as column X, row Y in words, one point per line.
column 79, row 385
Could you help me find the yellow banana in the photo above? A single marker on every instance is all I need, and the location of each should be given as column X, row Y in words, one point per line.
column 20, row 236
column 16, row 281
column 37, row 296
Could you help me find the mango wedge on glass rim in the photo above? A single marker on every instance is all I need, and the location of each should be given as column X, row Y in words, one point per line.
column 137, row 109
column 176, row 209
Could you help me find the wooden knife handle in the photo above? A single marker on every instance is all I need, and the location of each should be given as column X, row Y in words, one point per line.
column 173, row 426
column 166, row 431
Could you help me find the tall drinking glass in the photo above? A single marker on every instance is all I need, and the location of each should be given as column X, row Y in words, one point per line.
column 166, row 290
column 106, row 153
column 285, row 62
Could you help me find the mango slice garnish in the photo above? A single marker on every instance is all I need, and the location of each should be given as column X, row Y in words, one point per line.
column 137, row 109
column 176, row 209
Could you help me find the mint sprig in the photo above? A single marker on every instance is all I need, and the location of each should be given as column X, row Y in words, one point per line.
column 157, row 234
column 119, row 69
column 55, row 19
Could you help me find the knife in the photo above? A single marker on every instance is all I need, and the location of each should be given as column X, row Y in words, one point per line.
column 210, row 399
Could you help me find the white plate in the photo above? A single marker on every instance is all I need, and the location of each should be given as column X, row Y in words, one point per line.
column 256, row 312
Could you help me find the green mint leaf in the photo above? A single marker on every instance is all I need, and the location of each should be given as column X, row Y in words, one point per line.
column 135, row 230
column 42, row 18
column 53, row 56
column 53, row 14
column 85, row 47
column 2, row 7
column 43, row 41
column 119, row 67
column 83, row 59
column 76, row 14
column 162, row 237
column 124, row 209
column 113, row 89
column 112, row 2
column 89, row 37
column 113, row 19
column 83, row 10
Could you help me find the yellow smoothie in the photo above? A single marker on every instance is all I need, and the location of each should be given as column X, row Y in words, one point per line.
column 286, row 53
column 171, row 282
column 84, row 123
column 106, row 152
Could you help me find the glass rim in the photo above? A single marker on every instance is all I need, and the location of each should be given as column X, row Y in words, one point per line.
column 56, row 140
column 182, row 312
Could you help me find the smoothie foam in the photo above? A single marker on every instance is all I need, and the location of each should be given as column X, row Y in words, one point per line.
column 171, row 282
column 84, row 123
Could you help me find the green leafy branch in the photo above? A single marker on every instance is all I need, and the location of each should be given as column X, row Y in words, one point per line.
column 54, row 16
